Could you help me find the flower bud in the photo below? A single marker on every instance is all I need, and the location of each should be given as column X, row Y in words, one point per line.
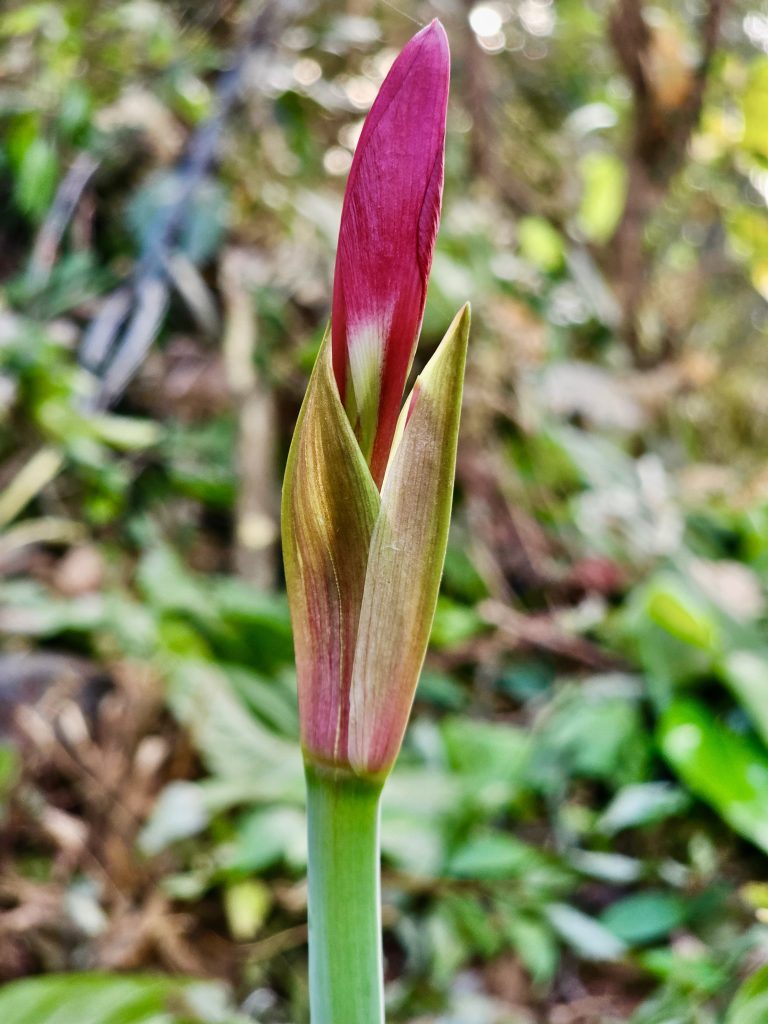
column 368, row 487
column 388, row 228
column 363, row 568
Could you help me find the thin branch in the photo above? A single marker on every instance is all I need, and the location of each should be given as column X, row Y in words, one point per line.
column 62, row 210
column 659, row 148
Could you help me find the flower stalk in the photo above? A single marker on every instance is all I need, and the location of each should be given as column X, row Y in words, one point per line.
column 345, row 963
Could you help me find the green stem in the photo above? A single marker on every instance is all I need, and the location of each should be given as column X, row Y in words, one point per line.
column 345, row 967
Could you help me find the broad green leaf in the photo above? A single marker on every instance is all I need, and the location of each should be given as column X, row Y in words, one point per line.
column 125, row 433
column 486, row 751
column 441, row 689
column 269, row 699
column 447, row 949
column 10, row 764
column 198, row 462
column 168, row 585
column 36, row 178
column 644, row 916
column 491, row 759
column 541, row 244
column 750, row 1005
column 479, row 930
column 411, row 844
column 746, row 672
column 641, row 804
column 247, row 905
column 416, row 802
column 267, row 836
column 588, row 937
column 406, row 556
column 454, row 624
column 330, row 504
column 493, row 855
column 608, row 867
column 754, row 102
column 205, row 218
column 748, row 233
column 112, row 999
column 75, row 112
column 461, row 576
column 179, row 812
column 595, row 730
column 255, row 630
column 676, row 633
column 604, row 180
column 535, row 944
column 727, row 770
column 233, row 743
column 671, row 605
column 695, row 969
column 31, row 17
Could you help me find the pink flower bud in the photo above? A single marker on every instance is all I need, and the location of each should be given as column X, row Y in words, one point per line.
column 368, row 487
column 388, row 227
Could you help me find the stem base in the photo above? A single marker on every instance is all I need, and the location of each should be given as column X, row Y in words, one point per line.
column 345, row 959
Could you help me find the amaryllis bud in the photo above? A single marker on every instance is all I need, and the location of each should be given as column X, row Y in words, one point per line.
column 368, row 487
column 388, row 227
column 363, row 568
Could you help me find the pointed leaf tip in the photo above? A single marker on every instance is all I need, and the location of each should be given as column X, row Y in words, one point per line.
column 406, row 557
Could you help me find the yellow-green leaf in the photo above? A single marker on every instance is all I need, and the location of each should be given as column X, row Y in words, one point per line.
column 728, row 770
column 406, row 557
column 604, row 192
column 247, row 905
column 330, row 504
column 753, row 109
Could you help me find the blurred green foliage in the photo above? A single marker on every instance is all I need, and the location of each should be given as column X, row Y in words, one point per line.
column 576, row 828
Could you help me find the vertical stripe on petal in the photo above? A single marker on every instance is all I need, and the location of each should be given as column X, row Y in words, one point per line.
column 366, row 352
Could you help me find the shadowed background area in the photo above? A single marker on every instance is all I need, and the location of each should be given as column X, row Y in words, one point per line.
column 576, row 830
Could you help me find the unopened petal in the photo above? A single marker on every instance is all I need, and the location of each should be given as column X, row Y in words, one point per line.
column 388, row 228
column 330, row 504
column 406, row 558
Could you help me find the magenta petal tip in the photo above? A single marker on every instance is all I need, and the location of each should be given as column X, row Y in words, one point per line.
column 388, row 228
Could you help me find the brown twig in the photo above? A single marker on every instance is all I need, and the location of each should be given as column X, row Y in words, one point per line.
column 543, row 633
column 280, row 942
column 664, row 121
column 257, row 500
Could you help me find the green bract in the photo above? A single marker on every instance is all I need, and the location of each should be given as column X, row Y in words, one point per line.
column 363, row 569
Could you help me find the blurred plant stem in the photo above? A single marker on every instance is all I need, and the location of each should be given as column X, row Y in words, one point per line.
column 345, row 960
column 257, row 501
column 34, row 475
column 668, row 95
